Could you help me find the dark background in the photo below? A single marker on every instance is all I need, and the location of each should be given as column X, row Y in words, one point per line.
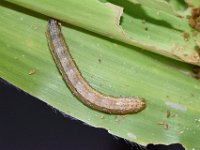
column 29, row 124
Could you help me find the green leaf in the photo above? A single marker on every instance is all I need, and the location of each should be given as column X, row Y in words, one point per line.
column 194, row 3
column 178, row 5
column 158, row 5
column 142, row 25
column 123, row 70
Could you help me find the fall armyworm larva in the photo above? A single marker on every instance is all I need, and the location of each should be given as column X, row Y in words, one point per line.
column 77, row 84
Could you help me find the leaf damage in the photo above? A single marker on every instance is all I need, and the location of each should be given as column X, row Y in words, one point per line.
column 183, row 49
column 194, row 19
column 118, row 14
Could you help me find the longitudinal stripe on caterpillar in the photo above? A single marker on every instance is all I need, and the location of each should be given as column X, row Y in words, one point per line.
column 77, row 84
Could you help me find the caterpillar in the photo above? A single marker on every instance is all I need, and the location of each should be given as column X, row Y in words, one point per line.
column 78, row 85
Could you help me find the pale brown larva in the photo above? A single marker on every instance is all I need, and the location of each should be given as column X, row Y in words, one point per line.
column 77, row 84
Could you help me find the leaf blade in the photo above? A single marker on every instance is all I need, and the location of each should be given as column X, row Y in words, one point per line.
column 123, row 70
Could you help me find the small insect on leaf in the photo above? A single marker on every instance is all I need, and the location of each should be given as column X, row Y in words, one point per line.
column 32, row 71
